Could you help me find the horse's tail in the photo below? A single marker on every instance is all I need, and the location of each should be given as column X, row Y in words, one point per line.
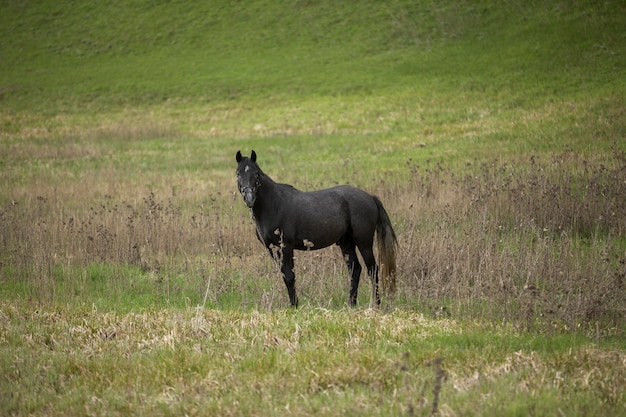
column 387, row 243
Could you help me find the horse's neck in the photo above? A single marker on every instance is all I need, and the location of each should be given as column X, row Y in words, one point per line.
column 268, row 197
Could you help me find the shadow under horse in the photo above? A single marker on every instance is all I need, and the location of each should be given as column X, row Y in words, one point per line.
column 288, row 219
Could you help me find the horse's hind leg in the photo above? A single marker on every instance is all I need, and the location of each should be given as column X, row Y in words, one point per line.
column 372, row 272
column 354, row 269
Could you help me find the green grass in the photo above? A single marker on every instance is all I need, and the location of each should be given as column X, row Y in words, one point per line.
column 149, row 52
column 492, row 131
column 308, row 362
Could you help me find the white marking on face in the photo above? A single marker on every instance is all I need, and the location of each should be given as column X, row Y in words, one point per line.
column 247, row 168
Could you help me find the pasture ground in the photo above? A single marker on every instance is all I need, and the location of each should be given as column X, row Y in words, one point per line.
column 492, row 132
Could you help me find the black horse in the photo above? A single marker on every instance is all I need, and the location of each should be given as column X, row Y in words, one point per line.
column 288, row 219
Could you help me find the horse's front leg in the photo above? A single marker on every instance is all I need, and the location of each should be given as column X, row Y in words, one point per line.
column 289, row 275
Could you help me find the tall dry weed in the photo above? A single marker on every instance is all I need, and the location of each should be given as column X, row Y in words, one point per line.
column 540, row 245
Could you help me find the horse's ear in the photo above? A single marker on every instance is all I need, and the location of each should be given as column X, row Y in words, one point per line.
column 253, row 156
column 238, row 156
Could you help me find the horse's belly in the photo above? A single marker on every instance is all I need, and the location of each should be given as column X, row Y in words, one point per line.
column 321, row 235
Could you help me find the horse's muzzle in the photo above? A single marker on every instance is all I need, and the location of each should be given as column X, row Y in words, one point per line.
column 249, row 197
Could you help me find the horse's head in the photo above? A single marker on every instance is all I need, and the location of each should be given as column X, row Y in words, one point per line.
column 248, row 177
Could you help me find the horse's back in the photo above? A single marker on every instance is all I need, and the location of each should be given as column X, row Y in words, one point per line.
column 346, row 197
column 327, row 216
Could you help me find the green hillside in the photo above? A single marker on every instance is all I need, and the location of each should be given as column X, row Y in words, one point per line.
column 67, row 55
column 384, row 82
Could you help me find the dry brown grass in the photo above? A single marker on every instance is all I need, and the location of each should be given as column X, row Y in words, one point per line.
column 539, row 245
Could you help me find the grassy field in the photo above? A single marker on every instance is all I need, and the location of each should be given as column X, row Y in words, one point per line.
column 83, row 361
column 130, row 278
